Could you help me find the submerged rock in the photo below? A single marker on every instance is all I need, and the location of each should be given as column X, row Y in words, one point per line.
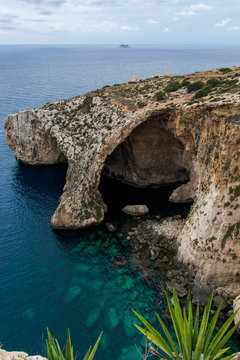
column 135, row 210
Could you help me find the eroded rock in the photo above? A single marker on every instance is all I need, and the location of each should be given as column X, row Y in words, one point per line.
column 135, row 210
column 111, row 131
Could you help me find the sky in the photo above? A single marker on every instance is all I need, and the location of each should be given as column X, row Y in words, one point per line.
column 164, row 22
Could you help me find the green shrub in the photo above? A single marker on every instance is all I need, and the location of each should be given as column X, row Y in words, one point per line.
column 214, row 82
column 160, row 95
column 197, row 85
column 54, row 351
column 185, row 82
column 194, row 338
column 225, row 70
column 172, row 86
column 204, row 91
column 141, row 104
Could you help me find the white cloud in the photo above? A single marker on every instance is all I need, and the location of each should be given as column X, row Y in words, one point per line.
column 175, row 18
column 188, row 13
column 166, row 30
column 129, row 28
column 199, row 7
column 234, row 28
column 153, row 21
column 222, row 23
column 193, row 9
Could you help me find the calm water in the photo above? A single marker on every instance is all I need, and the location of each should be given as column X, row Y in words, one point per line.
column 63, row 280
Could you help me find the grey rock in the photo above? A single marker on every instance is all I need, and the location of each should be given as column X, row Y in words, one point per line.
column 110, row 227
column 165, row 259
column 135, row 210
column 217, row 301
column 180, row 290
column 201, row 293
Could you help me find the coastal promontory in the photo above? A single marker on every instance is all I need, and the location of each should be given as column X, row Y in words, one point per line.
column 160, row 131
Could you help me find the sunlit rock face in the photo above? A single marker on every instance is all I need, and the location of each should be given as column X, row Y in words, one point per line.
column 125, row 132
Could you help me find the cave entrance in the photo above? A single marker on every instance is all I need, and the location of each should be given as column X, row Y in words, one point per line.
column 145, row 169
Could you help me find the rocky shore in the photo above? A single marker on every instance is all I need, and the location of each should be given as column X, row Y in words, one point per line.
column 154, row 252
column 18, row 355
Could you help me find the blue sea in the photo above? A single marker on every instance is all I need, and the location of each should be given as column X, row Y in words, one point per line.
column 68, row 279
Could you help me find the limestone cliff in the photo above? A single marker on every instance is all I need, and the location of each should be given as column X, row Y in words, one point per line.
column 158, row 131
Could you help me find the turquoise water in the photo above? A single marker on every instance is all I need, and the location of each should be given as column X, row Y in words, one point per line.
column 57, row 279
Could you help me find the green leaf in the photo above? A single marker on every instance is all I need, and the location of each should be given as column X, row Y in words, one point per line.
column 201, row 336
column 175, row 323
column 164, row 346
column 168, row 335
column 195, row 329
column 91, row 356
column 157, row 341
column 220, row 353
column 69, row 348
column 230, row 356
column 211, row 329
column 220, row 334
column 190, row 314
column 223, row 341
column 87, row 354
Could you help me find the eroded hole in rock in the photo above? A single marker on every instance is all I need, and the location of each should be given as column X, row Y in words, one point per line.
column 145, row 168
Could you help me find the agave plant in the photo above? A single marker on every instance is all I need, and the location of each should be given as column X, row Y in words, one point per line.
column 54, row 351
column 195, row 340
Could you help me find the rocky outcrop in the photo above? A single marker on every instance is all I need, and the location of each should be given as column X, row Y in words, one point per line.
column 145, row 137
column 18, row 355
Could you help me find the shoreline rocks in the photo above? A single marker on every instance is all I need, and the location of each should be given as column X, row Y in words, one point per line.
column 18, row 355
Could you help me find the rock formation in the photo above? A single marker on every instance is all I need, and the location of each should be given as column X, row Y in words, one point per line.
column 152, row 132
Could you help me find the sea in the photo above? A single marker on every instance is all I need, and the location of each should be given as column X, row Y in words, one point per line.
column 64, row 280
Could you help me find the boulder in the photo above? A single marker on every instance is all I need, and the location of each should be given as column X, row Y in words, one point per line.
column 135, row 210
column 201, row 294
column 110, row 227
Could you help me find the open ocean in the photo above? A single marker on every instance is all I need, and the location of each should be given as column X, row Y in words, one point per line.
column 63, row 280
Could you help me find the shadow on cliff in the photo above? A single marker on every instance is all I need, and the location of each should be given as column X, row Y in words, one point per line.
column 117, row 194
column 44, row 182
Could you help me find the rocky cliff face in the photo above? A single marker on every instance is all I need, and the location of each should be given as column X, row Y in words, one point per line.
column 145, row 137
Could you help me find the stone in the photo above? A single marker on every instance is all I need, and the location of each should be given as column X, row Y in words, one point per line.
column 18, row 355
column 201, row 294
column 110, row 227
column 217, row 301
column 180, row 290
column 135, row 210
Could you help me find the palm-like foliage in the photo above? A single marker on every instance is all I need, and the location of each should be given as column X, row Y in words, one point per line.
column 194, row 337
column 54, row 351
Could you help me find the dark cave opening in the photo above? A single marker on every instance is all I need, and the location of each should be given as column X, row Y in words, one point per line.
column 145, row 169
column 117, row 194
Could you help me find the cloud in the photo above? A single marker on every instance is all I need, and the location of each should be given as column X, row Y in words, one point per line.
column 188, row 13
column 175, row 18
column 129, row 28
column 234, row 28
column 153, row 21
column 166, row 30
column 193, row 9
column 199, row 7
column 222, row 23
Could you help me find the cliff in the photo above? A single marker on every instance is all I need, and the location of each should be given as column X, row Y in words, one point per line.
column 154, row 132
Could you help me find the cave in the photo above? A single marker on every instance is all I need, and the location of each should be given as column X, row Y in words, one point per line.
column 146, row 168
